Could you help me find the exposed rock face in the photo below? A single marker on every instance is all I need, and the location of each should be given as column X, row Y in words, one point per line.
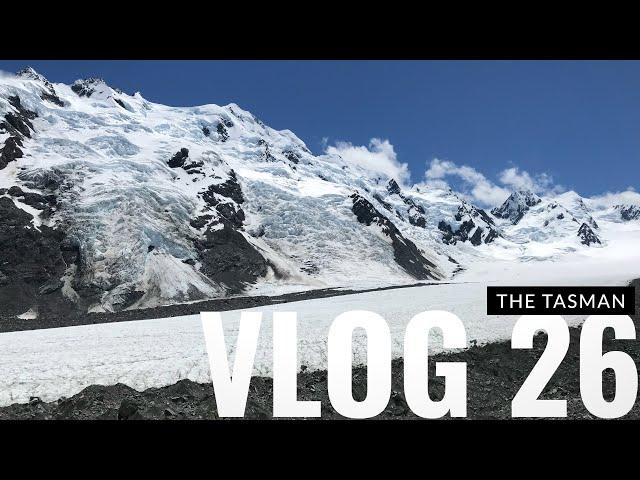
column 10, row 151
column 468, row 229
column 49, row 92
column 292, row 156
column 223, row 134
column 45, row 203
column 406, row 254
column 267, row 156
column 18, row 125
column 516, row 205
column 225, row 255
column 417, row 219
column 230, row 189
column 228, row 258
column 32, row 263
column 86, row 87
column 179, row 158
column 415, row 212
column 393, row 187
column 628, row 212
column 587, row 236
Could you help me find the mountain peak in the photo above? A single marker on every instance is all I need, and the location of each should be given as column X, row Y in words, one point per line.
column 87, row 87
column 516, row 205
column 31, row 74
column 528, row 196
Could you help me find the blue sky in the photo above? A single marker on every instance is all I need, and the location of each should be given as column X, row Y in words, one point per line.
column 576, row 124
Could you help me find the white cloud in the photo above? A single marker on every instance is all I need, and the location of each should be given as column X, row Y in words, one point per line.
column 476, row 186
column 480, row 189
column 610, row 199
column 521, row 180
column 379, row 157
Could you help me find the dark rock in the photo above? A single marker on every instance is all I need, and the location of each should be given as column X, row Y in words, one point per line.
column 266, row 155
column 587, row 236
column 18, row 125
column 193, row 166
column 50, row 287
column 205, row 131
column 491, row 236
column 476, row 238
column 484, row 216
column 229, row 212
column 200, row 222
column 413, row 205
column 32, row 262
column 466, row 213
column 292, row 156
column 150, row 248
column 417, row 220
column 386, row 205
column 516, row 205
column 121, row 103
column 223, row 134
column 179, row 158
column 393, row 187
column 43, row 180
column 52, row 97
column 406, row 254
column 49, row 92
column 15, row 191
column 23, row 112
column 32, row 199
column 227, row 257
column 627, row 212
column 230, row 189
column 10, row 151
column 86, row 87
column 13, row 216
column 129, row 410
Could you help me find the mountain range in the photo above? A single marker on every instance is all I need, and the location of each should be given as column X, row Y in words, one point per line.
column 109, row 202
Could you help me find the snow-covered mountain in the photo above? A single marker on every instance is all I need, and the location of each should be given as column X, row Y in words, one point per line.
column 109, row 201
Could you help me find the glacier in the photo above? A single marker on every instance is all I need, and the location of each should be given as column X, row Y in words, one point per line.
column 134, row 204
